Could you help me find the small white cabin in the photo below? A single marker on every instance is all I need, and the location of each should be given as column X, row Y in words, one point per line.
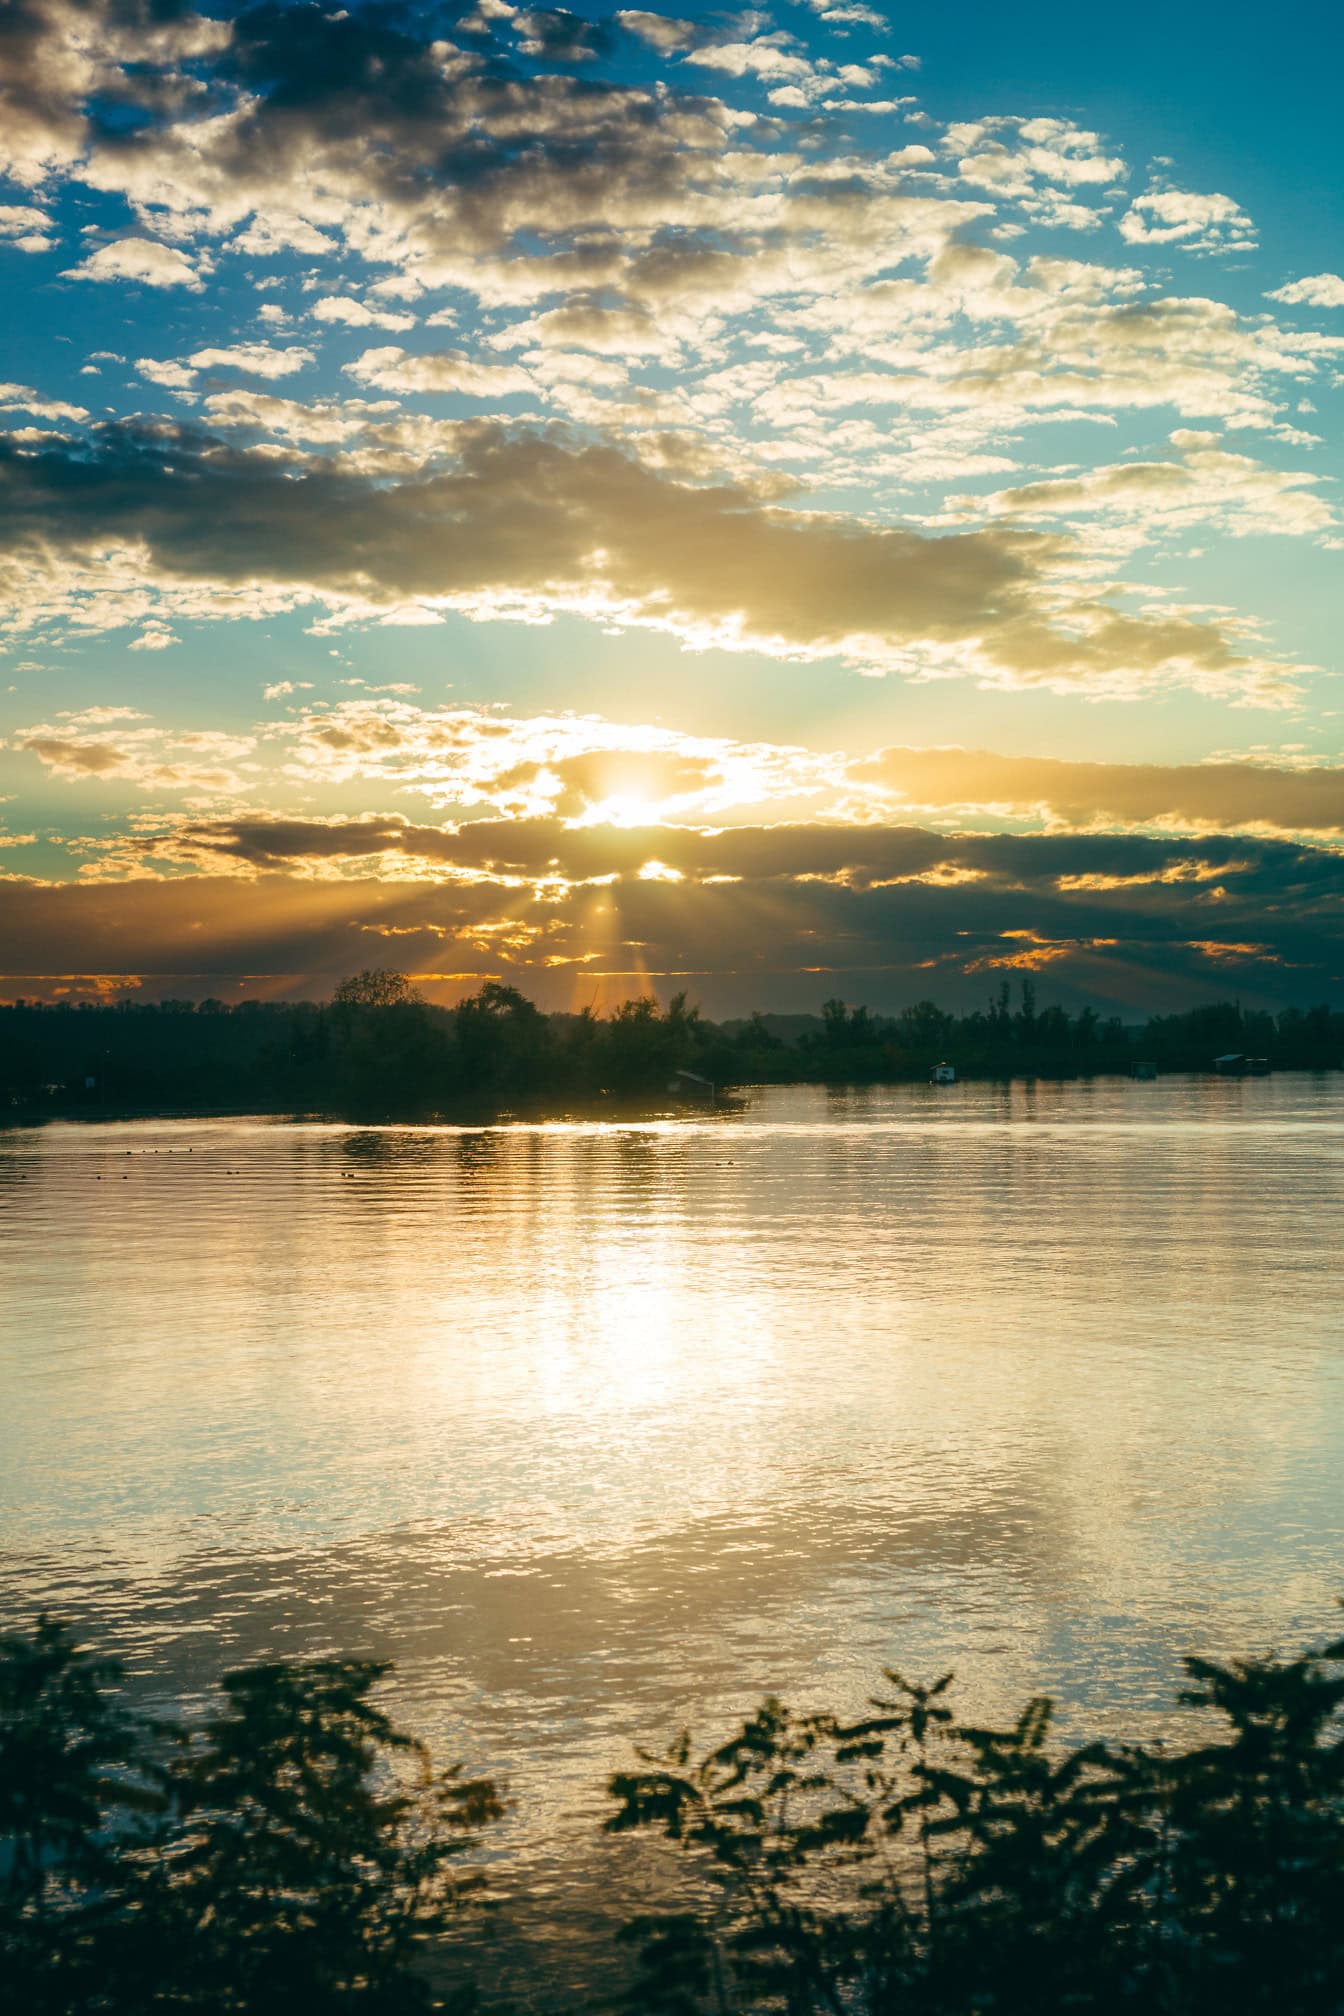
column 943, row 1074
column 690, row 1085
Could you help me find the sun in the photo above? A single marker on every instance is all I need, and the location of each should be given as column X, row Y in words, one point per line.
column 622, row 808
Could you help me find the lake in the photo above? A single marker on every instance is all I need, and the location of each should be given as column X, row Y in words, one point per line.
column 601, row 1428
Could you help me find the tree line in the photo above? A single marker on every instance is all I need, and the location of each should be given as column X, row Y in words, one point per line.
column 293, row 1850
column 377, row 1044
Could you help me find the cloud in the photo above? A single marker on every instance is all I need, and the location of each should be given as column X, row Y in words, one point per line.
column 78, row 749
column 1318, row 290
column 395, row 370
column 60, row 55
column 1040, row 164
column 554, row 35
column 775, row 58
column 323, row 422
column 555, row 200
column 162, row 371
column 1215, row 797
column 1141, row 500
column 587, row 770
column 667, row 33
column 761, row 916
column 27, row 400
column 357, row 314
column 141, row 260
column 258, row 360
column 579, row 767
column 755, row 354
column 851, row 13
column 707, row 796
column 25, row 228
column 1072, row 351
column 522, row 525
column 1196, row 223
column 331, row 124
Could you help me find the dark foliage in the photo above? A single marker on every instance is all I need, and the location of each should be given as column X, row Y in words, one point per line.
column 294, row 1852
column 377, row 1047
column 908, row 1863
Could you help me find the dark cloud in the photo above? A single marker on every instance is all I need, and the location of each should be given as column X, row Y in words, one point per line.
column 1218, row 795
column 464, row 147
column 82, row 759
column 586, row 526
column 63, row 62
column 766, row 916
column 553, row 34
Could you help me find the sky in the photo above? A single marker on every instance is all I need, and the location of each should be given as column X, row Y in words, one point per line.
column 830, row 500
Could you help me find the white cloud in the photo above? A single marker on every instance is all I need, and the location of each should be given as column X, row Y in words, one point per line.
column 1138, row 501
column 260, row 360
column 162, row 371
column 274, row 230
column 142, row 261
column 25, row 229
column 28, row 401
column 356, row 315
column 773, row 58
column 663, row 32
column 325, row 423
column 1197, row 223
column 394, row 370
column 1040, row 164
column 853, row 14
column 1318, row 290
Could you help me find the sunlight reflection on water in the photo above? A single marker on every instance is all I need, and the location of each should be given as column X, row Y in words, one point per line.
column 598, row 1427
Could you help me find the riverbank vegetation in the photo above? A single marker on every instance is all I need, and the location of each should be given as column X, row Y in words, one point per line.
column 291, row 1849
column 377, row 1046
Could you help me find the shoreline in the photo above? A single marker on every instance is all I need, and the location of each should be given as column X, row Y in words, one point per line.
column 625, row 1108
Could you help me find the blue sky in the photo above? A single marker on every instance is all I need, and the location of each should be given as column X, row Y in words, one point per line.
column 794, row 501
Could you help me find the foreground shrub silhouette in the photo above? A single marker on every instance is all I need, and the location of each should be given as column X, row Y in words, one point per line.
column 294, row 1851
column 907, row 1862
column 66, row 1757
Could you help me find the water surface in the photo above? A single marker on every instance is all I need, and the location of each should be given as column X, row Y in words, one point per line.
column 600, row 1428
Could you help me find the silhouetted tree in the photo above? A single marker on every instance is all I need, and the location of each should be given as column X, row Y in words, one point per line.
column 378, row 1045
column 502, row 1040
column 375, row 987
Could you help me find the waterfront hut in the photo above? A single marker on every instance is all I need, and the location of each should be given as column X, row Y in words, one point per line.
column 1144, row 1069
column 943, row 1074
column 691, row 1086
